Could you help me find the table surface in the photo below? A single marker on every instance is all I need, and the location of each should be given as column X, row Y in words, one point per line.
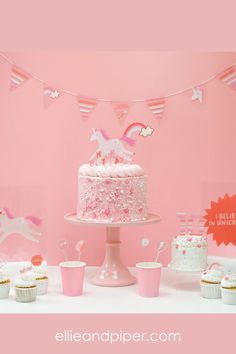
column 179, row 293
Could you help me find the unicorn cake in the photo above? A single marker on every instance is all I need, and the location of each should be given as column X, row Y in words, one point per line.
column 111, row 188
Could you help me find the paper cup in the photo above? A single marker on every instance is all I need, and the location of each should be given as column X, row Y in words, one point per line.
column 148, row 276
column 72, row 275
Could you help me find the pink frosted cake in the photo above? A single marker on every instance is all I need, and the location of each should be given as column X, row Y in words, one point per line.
column 112, row 193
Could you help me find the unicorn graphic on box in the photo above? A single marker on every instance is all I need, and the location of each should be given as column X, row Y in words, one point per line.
column 113, row 148
column 10, row 225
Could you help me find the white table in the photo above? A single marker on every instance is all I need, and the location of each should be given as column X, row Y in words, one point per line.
column 186, row 299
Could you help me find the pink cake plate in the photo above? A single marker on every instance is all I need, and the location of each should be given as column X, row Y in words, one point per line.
column 112, row 272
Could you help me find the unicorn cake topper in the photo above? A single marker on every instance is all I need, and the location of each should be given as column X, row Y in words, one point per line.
column 10, row 225
column 112, row 150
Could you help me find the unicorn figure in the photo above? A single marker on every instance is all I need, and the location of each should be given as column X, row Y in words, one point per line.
column 197, row 94
column 114, row 147
column 10, row 225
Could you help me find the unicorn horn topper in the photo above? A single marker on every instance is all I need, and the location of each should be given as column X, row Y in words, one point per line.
column 112, row 150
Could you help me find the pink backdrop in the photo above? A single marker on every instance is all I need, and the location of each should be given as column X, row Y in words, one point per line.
column 189, row 159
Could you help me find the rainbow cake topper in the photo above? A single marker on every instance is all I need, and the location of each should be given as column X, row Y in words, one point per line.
column 112, row 150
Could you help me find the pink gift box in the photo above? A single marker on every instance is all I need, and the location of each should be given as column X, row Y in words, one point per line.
column 148, row 276
column 72, row 275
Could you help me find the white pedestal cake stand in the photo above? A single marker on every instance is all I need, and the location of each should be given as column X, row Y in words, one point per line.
column 178, row 271
column 112, row 272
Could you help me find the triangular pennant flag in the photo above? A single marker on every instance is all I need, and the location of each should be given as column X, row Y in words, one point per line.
column 157, row 106
column 86, row 106
column 121, row 109
column 18, row 77
column 228, row 77
column 50, row 95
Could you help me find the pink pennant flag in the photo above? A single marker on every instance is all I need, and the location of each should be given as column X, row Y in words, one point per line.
column 50, row 95
column 157, row 106
column 121, row 109
column 86, row 106
column 229, row 78
column 18, row 77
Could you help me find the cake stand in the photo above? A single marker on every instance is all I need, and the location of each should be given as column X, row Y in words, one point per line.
column 178, row 272
column 112, row 272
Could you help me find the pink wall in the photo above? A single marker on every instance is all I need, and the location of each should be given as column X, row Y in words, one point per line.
column 189, row 160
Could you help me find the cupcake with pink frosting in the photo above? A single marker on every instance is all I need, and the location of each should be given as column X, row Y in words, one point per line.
column 228, row 289
column 211, row 283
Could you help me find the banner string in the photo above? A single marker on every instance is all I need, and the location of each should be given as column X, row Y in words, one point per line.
column 99, row 99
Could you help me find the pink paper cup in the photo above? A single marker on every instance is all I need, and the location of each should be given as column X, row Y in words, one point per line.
column 148, row 276
column 72, row 276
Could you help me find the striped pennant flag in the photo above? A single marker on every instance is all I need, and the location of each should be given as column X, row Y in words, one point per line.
column 229, row 78
column 157, row 106
column 50, row 95
column 121, row 109
column 86, row 106
column 18, row 77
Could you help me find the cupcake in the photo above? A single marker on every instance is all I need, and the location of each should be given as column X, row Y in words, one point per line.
column 4, row 285
column 228, row 289
column 41, row 279
column 211, row 283
column 25, row 288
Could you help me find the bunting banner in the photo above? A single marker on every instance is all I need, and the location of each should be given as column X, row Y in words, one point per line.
column 121, row 109
column 50, row 95
column 157, row 106
column 18, row 77
column 86, row 106
column 229, row 78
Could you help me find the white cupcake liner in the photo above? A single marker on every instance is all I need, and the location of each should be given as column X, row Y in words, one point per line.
column 42, row 286
column 210, row 291
column 228, row 296
column 4, row 290
column 26, row 294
